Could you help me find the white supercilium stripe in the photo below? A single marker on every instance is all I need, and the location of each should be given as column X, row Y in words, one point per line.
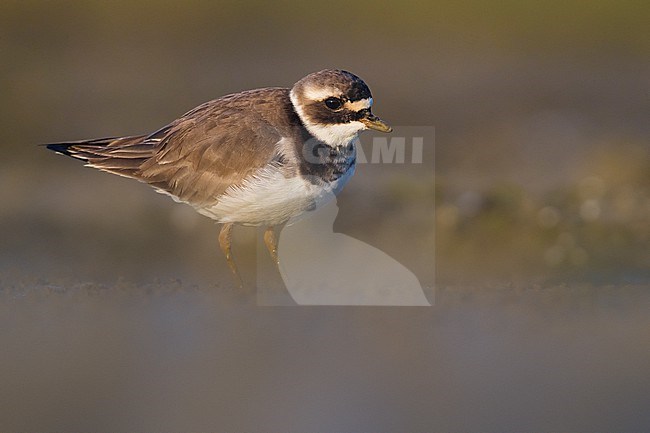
column 361, row 104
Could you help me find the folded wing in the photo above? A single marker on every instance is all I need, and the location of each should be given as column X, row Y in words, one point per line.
column 196, row 157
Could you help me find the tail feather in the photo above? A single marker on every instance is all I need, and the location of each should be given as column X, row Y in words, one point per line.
column 119, row 155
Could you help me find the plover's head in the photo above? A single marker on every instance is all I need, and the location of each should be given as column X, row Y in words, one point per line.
column 335, row 106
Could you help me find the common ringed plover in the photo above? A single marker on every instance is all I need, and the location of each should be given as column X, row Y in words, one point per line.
column 256, row 158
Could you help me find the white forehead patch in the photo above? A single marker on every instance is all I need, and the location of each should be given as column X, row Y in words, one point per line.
column 361, row 104
column 320, row 93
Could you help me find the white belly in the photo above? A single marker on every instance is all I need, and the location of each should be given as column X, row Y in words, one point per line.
column 269, row 198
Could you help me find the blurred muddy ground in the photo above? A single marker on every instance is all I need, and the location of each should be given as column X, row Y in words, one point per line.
column 117, row 312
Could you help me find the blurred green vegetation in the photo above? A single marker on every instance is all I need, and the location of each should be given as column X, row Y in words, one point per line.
column 596, row 229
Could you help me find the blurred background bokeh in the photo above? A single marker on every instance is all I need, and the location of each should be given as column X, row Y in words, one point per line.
column 117, row 307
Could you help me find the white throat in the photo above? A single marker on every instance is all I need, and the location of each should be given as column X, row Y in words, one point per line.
column 335, row 135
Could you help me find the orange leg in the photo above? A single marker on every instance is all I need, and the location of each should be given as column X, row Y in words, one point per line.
column 271, row 243
column 225, row 237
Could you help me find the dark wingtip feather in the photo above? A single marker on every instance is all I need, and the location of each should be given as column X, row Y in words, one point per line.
column 75, row 149
column 122, row 155
column 61, row 148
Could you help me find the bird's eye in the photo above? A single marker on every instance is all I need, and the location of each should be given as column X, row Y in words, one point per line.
column 333, row 103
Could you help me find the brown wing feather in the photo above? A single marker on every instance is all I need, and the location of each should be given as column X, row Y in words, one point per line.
column 216, row 145
column 198, row 156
